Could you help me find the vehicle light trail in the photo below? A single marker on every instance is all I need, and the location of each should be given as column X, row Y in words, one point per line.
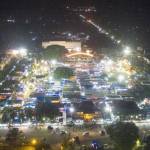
column 101, row 30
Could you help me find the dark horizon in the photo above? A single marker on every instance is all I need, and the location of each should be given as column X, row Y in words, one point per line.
column 129, row 20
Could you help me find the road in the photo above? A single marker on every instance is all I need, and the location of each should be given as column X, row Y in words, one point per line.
column 55, row 139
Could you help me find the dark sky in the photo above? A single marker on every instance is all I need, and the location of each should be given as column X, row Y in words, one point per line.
column 131, row 16
column 30, row 4
column 40, row 3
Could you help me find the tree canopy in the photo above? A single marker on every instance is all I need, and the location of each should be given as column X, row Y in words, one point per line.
column 124, row 135
column 125, row 108
column 46, row 109
column 63, row 72
column 140, row 92
column 54, row 52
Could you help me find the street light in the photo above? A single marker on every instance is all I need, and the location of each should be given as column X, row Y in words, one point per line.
column 15, row 52
column 108, row 108
column 50, row 78
column 77, row 49
column 23, row 51
column 72, row 110
column 53, row 62
column 87, row 51
column 33, row 141
column 118, row 41
column 112, row 37
column 121, row 78
column 138, row 143
column 109, row 62
column 127, row 50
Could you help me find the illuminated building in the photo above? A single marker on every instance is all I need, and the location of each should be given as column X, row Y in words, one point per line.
column 80, row 60
column 87, row 111
column 69, row 45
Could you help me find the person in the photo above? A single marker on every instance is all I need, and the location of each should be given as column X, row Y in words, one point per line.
column 102, row 133
column 77, row 140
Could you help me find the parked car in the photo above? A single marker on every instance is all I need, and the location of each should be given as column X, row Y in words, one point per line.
column 86, row 134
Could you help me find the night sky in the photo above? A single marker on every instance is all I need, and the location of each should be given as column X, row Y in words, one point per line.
column 128, row 19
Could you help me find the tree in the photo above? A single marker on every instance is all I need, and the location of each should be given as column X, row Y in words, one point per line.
column 14, row 136
column 51, row 110
column 7, row 69
column 140, row 63
column 140, row 92
column 125, row 108
column 54, row 52
column 46, row 109
column 124, row 135
column 147, row 143
column 63, row 72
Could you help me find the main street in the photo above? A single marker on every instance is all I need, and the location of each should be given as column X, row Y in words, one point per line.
column 55, row 138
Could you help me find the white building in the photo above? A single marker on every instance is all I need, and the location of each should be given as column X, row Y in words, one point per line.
column 70, row 45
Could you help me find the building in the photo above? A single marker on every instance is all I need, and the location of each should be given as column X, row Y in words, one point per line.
column 70, row 45
column 80, row 60
column 87, row 111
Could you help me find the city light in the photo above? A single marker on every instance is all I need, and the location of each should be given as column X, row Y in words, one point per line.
column 79, row 53
column 23, row 51
column 77, row 49
column 138, row 143
column 72, row 110
column 108, row 65
column 50, row 78
column 119, row 41
column 112, row 37
column 33, row 141
column 88, row 51
column 108, row 108
column 121, row 78
column 20, row 51
column 53, row 62
column 127, row 50
column 82, row 93
column 110, row 62
column 15, row 52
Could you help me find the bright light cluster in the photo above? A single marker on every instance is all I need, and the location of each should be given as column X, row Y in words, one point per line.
column 124, row 66
column 122, row 70
column 20, row 51
column 120, row 66
column 40, row 68
column 127, row 51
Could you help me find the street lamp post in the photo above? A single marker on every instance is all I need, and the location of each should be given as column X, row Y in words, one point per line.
column 72, row 110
